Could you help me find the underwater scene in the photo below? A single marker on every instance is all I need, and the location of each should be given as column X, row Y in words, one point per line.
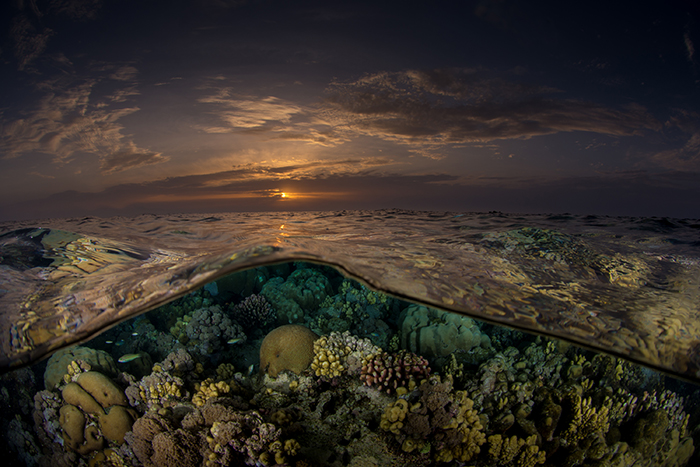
column 299, row 363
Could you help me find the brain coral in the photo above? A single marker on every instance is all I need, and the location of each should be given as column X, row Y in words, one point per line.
column 57, row 365
column 288, row 347
column 436, row 333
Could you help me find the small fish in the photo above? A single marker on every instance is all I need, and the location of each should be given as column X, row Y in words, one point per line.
column 134, row 333
column 121, row 342
column 235, row 341
column 109, row 342
column 129, row 357
column 250, row 369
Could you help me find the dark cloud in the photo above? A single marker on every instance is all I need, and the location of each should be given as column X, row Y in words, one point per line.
column 637, row 193
column 29, row 40
column 76, row 9
column 462, row 106
column 685, row 156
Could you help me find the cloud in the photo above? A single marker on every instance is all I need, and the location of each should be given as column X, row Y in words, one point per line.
column 76, row 9
column 684, row 158
column 684, row 125
column 689, row 47
column 125, row 73
column 71, row 120
column 130, row 158
column 239, row 112
column 256, row 188
column 297, row 170
column 29, row 42
column 453, row 106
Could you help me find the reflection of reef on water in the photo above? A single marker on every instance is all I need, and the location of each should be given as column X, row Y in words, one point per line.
column 374, row 382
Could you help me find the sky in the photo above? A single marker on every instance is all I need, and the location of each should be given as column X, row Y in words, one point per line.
column 126, row 107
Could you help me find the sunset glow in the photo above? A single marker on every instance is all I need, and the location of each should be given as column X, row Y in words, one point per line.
column 477, row 106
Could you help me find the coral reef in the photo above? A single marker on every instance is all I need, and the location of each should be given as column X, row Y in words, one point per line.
column 91, row 412
column 392, row 372
column 340, row 399
column 158, row 390
column 289, row 347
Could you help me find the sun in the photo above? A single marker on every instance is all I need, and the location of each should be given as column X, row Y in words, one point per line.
column 283, row 195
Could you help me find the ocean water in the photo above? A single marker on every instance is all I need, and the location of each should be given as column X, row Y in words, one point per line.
column 351, row 338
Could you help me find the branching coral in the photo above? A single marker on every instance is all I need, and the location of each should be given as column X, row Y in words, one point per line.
column 390, row 371
column 159, row 389
column 587, row 420
column 515, row 451
column 254, row 312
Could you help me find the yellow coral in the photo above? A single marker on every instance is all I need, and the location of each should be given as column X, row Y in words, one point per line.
column 291, row 447
column 326, row 362
column 587, row 419
column 393, row 416
column 209, row 389
column 468, row 424
column 155, row 393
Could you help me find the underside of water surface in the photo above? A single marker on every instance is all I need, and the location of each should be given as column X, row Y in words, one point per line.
column 350, row 339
